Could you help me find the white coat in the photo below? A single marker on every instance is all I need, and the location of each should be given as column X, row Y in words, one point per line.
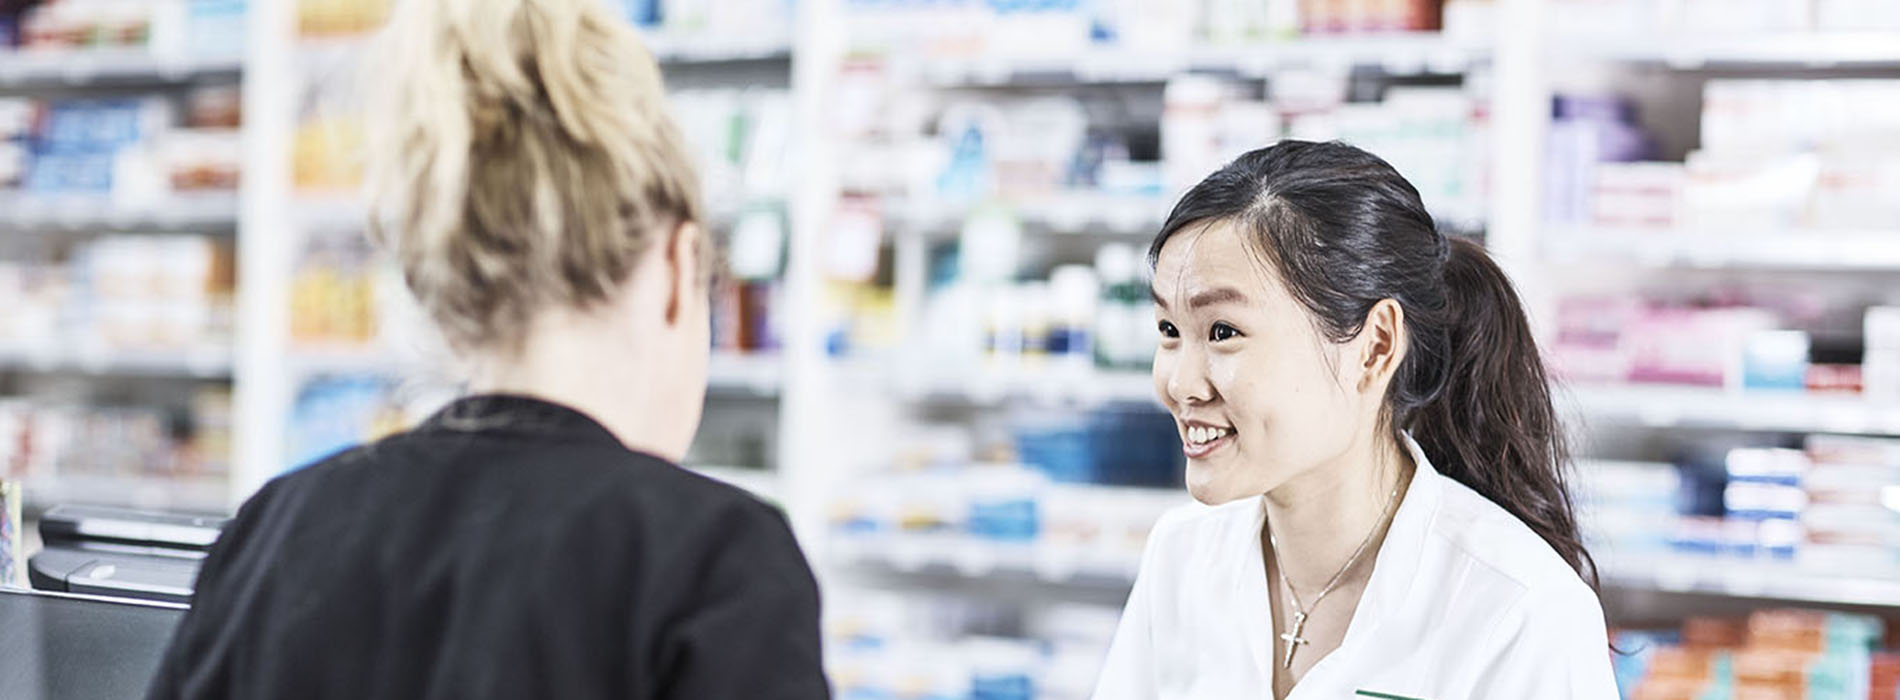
column 1465, row 602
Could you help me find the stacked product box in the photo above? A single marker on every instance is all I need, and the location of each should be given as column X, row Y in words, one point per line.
column 1774, row 653
column 41, row 439
column 1773, row 156
column 1851, row 486
column 1737, row 344
column 947, row 647
column 121, row 293
column 129, row 152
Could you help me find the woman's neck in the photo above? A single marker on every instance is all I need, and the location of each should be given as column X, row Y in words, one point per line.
column 1322, row 517
column 576, row 361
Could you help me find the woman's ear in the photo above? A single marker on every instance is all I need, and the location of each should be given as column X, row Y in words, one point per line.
column 1382, row 345
column 684, row 246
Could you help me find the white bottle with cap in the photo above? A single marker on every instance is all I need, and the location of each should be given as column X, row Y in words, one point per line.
column 1122, row 338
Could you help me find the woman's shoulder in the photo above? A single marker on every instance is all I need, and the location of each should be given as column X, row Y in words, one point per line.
column 577, row 480
column 1470, row 527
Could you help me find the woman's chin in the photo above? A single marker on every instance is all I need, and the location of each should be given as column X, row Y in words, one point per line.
column 1211, row 484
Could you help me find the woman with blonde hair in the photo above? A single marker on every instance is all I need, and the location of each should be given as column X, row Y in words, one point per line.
column 537, row 538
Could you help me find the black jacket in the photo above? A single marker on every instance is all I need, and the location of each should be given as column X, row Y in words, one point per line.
column 507, row 548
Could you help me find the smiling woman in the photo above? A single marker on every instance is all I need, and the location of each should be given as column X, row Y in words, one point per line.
column 1367, row 422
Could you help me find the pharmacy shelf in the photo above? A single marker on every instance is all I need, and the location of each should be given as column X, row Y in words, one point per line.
column 955, row 565
column 329, row 211
column 1800, row 50
column 1138, row 216
column 205, row 494
column 965, row 566
column 195, row 213
column 687, row 49
column 1397, row 53
column 346, row 212
column 758, row 374
column 1785, row 581
column 26, row 69
column 666, row 48
column 1809, row 250
column 345, row 360
column 1048, row 384
column 1664, row 406
column 196, row 363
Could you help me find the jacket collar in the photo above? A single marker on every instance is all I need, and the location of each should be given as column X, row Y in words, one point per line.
column 522, row 416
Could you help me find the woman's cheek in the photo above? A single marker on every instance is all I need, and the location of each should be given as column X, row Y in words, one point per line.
column 1224, row 372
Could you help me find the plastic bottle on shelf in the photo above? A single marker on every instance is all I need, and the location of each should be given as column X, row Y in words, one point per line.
column 1033, row 301
column 1190, row 129
column 1004, row 325
column 1073, row 309
column 1122, row 339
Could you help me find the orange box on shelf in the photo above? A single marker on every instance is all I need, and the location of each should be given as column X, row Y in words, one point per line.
column 1708, row 633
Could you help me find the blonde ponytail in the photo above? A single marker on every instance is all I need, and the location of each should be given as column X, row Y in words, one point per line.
column 520, row 156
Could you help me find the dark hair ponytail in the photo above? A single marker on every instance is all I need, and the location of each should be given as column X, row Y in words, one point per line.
column 1345, row 230
column 1493, row 427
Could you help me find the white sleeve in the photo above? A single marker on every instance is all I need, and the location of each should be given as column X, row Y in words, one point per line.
column 1129, row 672
column 1554, row 648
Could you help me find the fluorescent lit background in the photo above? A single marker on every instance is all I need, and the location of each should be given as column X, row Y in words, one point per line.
column 931, row 347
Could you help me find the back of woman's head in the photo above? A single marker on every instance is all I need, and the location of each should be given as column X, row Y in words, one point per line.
column 1344, row 230
column 520, row 157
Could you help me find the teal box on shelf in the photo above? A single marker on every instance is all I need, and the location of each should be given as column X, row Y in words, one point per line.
column 1775, row 361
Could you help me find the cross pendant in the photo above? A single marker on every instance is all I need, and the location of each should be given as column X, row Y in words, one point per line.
column 1293, row 638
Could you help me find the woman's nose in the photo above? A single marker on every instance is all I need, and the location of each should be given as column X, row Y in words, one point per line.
column 1187, row 382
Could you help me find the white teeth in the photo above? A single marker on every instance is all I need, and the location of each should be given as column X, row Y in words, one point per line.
column 1199, row 435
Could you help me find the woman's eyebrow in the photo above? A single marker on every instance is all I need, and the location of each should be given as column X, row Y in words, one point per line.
column 1209, row 297
column 1217, row 295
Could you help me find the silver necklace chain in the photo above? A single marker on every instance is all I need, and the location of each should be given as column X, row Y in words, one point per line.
column 1292, row 637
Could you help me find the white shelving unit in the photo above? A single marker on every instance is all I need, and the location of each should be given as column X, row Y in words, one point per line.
column 57, row 73
column 206, row 494
column 1764, row 250
column 1134, row 217
column 1693, row 51
column 21, row 214
column 1780, row 581
column 199, row 363
column 677, row 49
column 1667, row 407
column 1043, row 385
column 90, row 66
column 1398, row 53
column 1539, row 250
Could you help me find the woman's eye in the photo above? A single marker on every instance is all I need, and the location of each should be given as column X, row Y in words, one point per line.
column 1168, row 330
column 1222, row 331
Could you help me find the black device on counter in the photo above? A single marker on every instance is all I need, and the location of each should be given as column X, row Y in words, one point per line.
column 122, row 553
column 56, row 646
